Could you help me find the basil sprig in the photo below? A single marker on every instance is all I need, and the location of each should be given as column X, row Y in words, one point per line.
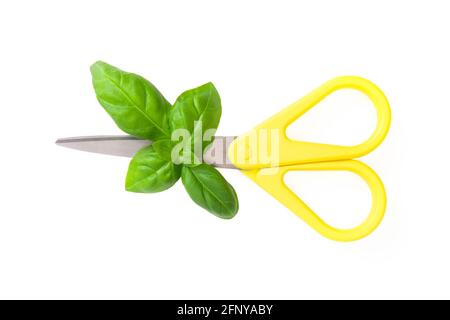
column 203, row 182
column 139, row 109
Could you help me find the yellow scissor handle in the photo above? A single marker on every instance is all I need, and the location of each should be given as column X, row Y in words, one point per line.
column 273, row 183
column 268, row 146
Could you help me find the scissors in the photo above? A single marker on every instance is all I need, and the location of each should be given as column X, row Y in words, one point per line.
column 292, row 155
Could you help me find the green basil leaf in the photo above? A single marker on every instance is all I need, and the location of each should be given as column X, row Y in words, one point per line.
column 177, row 153
column 137, row 107
column 209, row 189
column 164, row 149
column 150, row 172
column 197, row 110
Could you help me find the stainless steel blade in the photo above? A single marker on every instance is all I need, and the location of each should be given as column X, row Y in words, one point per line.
column 127, row 146
column 217, row 153
column 122, row 146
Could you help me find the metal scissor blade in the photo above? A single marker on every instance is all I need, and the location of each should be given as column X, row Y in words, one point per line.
column 127, row 146
column 217, row 153
column 122, row 146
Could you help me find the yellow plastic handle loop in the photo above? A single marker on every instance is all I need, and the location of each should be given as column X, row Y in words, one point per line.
column 268, row 146
column 273, row 183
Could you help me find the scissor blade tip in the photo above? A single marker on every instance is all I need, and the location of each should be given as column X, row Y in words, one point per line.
column 63, row 142
column 59, row 141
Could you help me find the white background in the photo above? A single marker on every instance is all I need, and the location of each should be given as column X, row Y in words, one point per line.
column 69, row 230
